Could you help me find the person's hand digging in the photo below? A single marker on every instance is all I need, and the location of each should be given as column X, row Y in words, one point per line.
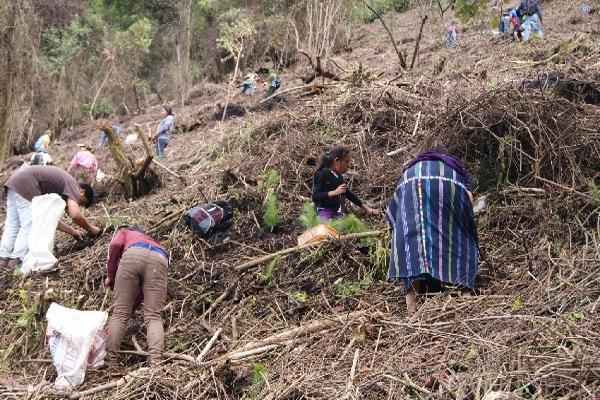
column 95, row 231
column 77, row 235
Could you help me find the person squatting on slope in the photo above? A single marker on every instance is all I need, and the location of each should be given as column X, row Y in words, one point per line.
column 43, row 143
column 530, row 15
column 162, row 136
column 27, row 183
column 329, row 189
column 137, row 270
column 434, row 237
column 84, row 166
column 511, row 25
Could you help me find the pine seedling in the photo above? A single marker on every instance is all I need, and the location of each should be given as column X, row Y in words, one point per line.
column 272, row 215
column 309, row 218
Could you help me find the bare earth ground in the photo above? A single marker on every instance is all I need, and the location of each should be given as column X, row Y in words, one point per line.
column 532, row 326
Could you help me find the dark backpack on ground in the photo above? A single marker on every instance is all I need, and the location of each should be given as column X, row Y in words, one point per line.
column 209, row 219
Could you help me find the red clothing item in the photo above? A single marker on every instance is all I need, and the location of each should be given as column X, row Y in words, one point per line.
column 121, row 241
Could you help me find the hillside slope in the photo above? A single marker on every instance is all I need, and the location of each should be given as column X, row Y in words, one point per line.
column 532, row 328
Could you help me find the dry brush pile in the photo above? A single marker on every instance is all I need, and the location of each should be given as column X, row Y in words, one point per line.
column 322, row 322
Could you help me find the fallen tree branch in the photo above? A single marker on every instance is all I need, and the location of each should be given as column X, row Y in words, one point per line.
column 268, row 257
column 209, row 345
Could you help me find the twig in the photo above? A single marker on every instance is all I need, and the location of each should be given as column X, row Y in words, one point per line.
column 209, row 345
column 167, row 169
column 268, row 257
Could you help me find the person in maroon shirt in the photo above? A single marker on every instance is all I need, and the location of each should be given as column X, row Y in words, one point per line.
column 137, row 269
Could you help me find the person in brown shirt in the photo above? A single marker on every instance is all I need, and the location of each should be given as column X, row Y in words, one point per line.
column 36, row 180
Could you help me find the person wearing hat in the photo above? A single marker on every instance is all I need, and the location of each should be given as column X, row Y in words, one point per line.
column 37, row 180
column 84, row 165
column 162, row 136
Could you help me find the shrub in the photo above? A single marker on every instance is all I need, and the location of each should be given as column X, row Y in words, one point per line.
column 308, row 218
column 272, row 215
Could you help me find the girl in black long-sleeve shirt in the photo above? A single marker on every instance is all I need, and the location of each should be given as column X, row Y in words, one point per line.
column 329, row 189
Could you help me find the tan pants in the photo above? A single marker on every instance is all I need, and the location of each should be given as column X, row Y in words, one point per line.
column 146, row 269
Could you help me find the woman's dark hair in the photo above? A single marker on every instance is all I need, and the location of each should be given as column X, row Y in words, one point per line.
column 135, row 228
column 168, row 109
column 88, row 193
column 329, row 156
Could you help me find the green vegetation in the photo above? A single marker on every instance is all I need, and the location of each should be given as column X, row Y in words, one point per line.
column 259, row 379
column 272, row 215
column 308, row 217
column 349, row 289
column 299, row 296
column 269, row 275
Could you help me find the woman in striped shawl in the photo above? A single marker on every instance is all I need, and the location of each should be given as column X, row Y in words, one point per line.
column 434, row 235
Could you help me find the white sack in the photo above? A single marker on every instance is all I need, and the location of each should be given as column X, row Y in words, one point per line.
column 75, row 340
column 46, row 211
column 131, row 138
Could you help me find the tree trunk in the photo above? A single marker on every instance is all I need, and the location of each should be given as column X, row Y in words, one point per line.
column 183, row 49
column 6, row 85
column 133, row 176
column 423, row 20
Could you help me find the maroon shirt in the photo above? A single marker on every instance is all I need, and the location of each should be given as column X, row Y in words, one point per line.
column 121, row 241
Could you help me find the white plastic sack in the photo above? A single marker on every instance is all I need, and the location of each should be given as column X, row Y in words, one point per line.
column 131, row 138
column 101, row 176
column 46, row 211
column 75, row 340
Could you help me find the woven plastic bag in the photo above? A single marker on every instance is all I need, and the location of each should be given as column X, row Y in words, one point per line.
column 46, row 211
column 76, row 340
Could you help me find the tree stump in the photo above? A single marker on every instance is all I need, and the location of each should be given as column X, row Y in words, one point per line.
column 133, row 178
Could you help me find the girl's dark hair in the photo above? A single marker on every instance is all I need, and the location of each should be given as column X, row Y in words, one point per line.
column 168, row 109
column 135, row 228
column 329, row 156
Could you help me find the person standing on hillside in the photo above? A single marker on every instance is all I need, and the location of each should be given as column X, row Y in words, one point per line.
column 84, row 166
column 451, row 35
column 43, row 143
column 434, row 239
column 27, row 183
column 137, row 270
column 248, row 86
column 329, row 189
column 530, row 14
column 274, row 82
column 162, row 136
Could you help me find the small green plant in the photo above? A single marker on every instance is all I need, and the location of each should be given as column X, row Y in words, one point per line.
column 379, row 256
column 259, row 378
column 577, row 316
column 270, row 180
column 594, row 191
column 272, row 215
column 517, row 304
column 348, row 289
column 28, row 310
column 308, row 217
column 267, row 277
column 473, row 352
column 299, row 296
column 349, row 224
